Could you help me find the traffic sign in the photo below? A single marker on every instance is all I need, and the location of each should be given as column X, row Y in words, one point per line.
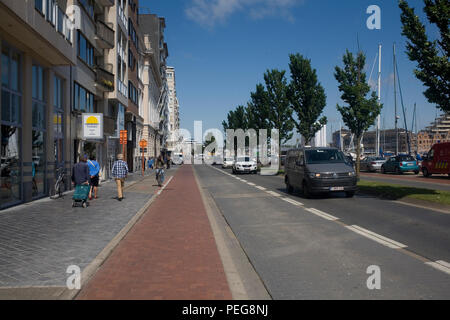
column 143, row 143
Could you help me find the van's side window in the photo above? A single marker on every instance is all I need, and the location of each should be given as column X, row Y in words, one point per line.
column 431, row 154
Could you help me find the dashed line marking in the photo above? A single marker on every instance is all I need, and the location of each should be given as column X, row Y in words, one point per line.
column 322, row 214
column 251, row 184
column 295, row 203
column 274, row 193
column 376, row 237
column 260, row 188
column 440, row 265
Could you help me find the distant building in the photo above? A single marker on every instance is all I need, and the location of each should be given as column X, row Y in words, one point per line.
column 438, row 132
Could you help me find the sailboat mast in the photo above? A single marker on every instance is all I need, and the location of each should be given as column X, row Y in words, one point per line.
column 395, row 105
column 379, row 101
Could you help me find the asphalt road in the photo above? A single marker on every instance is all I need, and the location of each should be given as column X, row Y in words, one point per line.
column 436, row 182
column 321, row 248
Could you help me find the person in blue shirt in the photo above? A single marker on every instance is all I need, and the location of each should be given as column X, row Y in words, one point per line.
column 94, row 172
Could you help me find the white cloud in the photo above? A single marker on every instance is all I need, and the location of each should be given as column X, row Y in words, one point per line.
column 211, row 12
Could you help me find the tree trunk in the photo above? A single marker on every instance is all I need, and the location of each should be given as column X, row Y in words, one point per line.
column 358, row 155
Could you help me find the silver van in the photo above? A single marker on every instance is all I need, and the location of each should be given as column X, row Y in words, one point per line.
column 319, row 170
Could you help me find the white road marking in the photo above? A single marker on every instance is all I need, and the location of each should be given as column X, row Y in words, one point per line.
column 440, row 265
column 162, row 189
column 376, row 237
column 245, row 181
column 295, row 203
column 251, row 184
column 322, row 214
column 261, row 188
column 274, row 193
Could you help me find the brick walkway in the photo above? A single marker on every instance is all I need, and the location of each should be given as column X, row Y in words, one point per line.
column 39, row 240
column 169, row 254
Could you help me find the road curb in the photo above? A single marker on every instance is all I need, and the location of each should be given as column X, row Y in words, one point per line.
column 98, row 261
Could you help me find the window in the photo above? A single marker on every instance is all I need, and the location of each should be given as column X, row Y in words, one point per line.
column 132, row 93
column 85, row 50
column 83, row 99
column 38, row 132
column 10, row 123
column 39, row 5
column 51, row 11
column 88, row 5
column 58, row 123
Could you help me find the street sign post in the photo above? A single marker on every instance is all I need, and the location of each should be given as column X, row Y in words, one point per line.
column 143, row 145
column 123, row 141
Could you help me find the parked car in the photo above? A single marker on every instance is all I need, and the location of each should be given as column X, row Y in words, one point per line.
column 400, row 164
column 372, row 164
column 319, row 170
column 228, row 162
column 245, row 165
column 437, row 160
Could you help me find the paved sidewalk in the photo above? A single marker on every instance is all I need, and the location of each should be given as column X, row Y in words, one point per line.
column 170, row 253
column 39, row 240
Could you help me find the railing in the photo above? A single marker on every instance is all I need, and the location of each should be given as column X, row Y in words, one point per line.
column 105, row 33
column 57, row 18
column 104, row 78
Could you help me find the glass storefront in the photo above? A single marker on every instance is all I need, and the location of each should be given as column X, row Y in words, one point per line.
column 38, row 134
column 10, row 133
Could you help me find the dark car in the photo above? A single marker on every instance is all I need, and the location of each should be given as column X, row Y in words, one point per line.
column 319, row 170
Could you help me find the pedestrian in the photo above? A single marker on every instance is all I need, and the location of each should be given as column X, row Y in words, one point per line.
column 80, row 172
column 120, row 173
column 94, row 172
column 151, row 163
column 168, row 162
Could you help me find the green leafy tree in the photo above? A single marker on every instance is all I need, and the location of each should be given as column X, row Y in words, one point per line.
column 258, row 109
column 236, row 119
column 279, row 111
column 361, row 111
column 307, row 97
column 432, row 56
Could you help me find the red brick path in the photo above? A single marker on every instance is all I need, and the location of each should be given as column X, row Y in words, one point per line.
column 169, row 254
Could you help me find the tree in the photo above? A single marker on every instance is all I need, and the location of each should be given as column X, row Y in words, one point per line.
column 258, row 109
column 209, row 139
column 360, row 112
column 432, row 56
column 279, row 111
column 306, row 96
column 236, row 119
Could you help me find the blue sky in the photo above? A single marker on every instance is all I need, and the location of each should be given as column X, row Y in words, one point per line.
column 221, row 49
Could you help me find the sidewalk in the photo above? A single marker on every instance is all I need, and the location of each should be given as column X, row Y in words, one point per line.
column 170, row 253
column 39, row 240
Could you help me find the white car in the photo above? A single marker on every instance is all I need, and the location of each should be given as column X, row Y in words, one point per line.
column 245, row 165
column 228, row 162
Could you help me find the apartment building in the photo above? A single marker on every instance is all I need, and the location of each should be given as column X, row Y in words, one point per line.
column 174, row 109
column 37, row 53
column 437, row 132
column 61, row 59
column 156, row 102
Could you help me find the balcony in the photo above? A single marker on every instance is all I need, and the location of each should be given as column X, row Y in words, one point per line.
column 104, row 35
column 106, row 3
column 104, row 78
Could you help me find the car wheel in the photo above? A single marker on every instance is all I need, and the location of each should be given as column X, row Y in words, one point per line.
column 290, row 189
column 425, row 172
column 306, row 192
column 350, row 194
column 416, row 172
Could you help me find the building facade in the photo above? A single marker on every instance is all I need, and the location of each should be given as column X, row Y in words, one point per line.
column 174, row 109
column 61, row 59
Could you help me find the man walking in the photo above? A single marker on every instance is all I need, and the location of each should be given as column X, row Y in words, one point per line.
column 94, row 172
column 119, row 173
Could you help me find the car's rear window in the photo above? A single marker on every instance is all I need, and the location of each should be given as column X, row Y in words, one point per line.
column 406, row 158
column 246, row 159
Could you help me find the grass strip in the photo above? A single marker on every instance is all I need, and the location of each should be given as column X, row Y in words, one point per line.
column 396, row 192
